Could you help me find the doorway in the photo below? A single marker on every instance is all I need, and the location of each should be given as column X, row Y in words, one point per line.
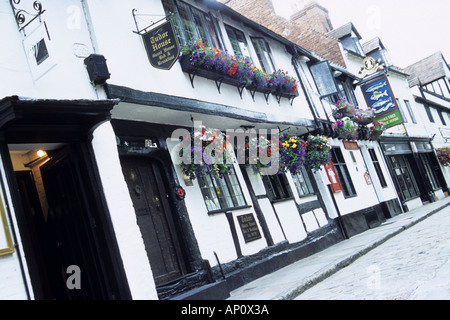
column 71, row 259
column 149, row 193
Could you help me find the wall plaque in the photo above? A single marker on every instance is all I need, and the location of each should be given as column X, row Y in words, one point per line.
column 162, row 46
column 249, row 227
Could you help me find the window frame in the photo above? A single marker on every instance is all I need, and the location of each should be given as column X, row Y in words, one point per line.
column 201, row 24
column 344, row 90
column 377, row 166
column 273, row 185
column 410, row 111
column 267, row 54
column 215, row 186
column 429, row 114
column 233, row 35
column 348, row 188
column 306, row 184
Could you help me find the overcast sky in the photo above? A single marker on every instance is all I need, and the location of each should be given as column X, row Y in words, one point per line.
column 409, row 29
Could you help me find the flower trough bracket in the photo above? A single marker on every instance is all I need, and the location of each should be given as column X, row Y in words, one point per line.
column 254, row 88
column 291, row 97
column 191, row 77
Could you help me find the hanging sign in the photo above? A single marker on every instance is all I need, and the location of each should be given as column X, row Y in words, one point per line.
column 379, row 96
column 162, row 46
column 332, row 176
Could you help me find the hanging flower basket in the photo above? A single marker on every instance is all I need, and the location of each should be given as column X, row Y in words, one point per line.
column 346, row 129
column 254, row 148
column 292, row 153
column 363, row 117
column 199, row 141
column 443, row 155
column 343, row 109
column 376, row 130
column 318, row 152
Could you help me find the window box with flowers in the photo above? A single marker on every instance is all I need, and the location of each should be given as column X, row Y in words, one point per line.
column 286, row 85
column 262, row 82
column 443, row 155
column 215, row 64
column 318, row 152
column 222, row 67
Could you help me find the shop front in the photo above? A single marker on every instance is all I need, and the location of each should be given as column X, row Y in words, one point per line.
column 415, row 171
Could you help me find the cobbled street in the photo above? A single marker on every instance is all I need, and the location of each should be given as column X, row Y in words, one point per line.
column 414, row 265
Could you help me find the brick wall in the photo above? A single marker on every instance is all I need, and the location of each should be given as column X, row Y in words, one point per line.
column 307, row 28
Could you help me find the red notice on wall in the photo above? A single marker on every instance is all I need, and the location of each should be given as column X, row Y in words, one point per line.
column 333, row 177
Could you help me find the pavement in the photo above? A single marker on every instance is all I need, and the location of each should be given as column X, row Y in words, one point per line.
column 289, row 282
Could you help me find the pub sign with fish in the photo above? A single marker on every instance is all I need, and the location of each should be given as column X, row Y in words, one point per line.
column 379, row 97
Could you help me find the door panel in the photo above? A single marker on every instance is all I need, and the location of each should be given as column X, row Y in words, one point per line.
column 73, row 230
column 154, row 217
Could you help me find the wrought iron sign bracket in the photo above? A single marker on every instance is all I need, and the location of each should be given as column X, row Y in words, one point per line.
column 144, row 30
column 24, row 18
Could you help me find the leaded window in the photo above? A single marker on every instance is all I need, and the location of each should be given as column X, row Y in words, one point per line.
column 221, row 193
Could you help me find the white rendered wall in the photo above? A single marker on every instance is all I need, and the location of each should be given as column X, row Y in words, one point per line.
column 65, row 76
column 129, row 238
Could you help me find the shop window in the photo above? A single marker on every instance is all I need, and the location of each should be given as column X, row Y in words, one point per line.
column 343, row 174
column 190, row 23
column 404, row 177
column 303, row 183
column 221, row 194
column 277, row 187
column 238, row 42
column 264, row 54
column 377, row 166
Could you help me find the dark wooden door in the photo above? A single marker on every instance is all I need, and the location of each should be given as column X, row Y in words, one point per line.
column 74, row 232
column 154, row 217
